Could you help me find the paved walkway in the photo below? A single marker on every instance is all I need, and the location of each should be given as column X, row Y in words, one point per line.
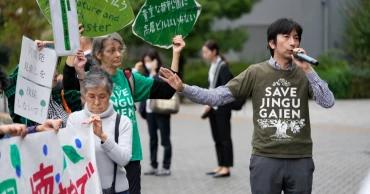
column 341, row 138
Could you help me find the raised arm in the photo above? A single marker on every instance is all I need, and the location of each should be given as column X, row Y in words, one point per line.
column 321, row 92
column 156, row 89
column 70, row 81
column 79, row 65
column 178, row 45
column 213, row 97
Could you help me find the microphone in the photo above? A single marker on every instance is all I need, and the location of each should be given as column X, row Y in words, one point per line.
column 306, row 58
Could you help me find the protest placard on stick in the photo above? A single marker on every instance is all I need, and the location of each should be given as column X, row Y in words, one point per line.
column 98, row 17
column 160, row 20
column 34, row 82
column 65, row 27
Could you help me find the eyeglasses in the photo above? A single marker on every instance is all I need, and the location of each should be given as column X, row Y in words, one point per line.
column 114, row 50
column 94, row 98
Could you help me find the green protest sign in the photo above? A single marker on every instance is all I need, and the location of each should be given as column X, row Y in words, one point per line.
column 99, row 17
column 160, row 20
column 45, row 9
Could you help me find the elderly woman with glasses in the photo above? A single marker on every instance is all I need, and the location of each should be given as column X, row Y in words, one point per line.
column 107, row 52
column 111, row 156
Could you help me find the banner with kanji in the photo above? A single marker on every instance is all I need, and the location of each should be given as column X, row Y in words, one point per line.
column 48, row 163
column 79, row 151
column 158, row 21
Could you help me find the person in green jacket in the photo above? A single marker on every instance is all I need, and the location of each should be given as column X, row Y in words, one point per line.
column 107, row 52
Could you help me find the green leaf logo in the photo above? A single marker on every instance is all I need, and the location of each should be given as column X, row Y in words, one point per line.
column 72, row 154
column 8, row 185
column 21, row 92
column 42, row 103
column 15, row 156
column 64, row 163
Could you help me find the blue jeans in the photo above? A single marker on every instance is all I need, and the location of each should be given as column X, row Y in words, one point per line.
column 123, row 192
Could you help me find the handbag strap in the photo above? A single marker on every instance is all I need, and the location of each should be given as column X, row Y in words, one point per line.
column 118, row 120
column 217, row 73
column 131, row 82
column 65, row 105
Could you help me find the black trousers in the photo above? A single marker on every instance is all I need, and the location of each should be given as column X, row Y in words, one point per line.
column 221, row 133
column 274, row 175
column 133, row 173
column 161, row 122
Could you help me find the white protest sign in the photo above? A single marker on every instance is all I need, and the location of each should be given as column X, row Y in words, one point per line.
column 48, row 163
column 65, row 27
column 35, row 78
column 31, row 100
column 78, row 146
column 31, row 165
column 35, row 65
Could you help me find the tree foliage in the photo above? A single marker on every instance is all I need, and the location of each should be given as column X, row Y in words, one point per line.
column 23, row 17
column 228, row 39
column 18, row 18
column 357, row 34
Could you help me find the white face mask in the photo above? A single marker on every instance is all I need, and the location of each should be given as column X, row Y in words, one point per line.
column 148, row 66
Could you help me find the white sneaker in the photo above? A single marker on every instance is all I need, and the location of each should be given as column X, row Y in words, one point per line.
column 163, row 172
column 152, row 171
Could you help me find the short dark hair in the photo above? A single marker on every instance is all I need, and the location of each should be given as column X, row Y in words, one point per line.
column 96, row 77
column 282, row 26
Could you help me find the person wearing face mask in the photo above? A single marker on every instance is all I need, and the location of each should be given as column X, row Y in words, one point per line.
column 150, row 65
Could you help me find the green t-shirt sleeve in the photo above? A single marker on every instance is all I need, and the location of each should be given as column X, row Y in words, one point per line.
column 242, row 85
column 142, row 86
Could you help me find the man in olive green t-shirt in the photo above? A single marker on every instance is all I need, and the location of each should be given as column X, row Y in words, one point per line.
column 279, row 89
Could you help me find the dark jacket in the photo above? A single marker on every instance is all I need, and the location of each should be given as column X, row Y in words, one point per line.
column 223, row 78
column 72, row 78
column 142, row 106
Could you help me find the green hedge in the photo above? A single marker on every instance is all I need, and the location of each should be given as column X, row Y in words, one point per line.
column 337, row 74
column 344, row 81
column 197, row 73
